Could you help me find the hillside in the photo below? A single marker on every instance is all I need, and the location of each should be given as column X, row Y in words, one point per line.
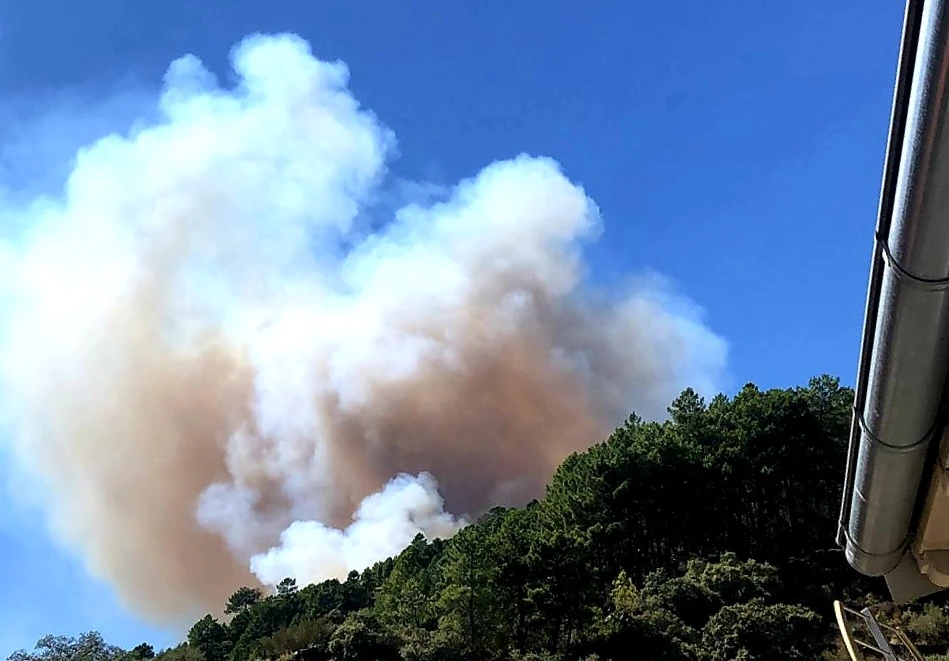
column 707, row 537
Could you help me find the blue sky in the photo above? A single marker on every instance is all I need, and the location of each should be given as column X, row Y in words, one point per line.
column 734, row 147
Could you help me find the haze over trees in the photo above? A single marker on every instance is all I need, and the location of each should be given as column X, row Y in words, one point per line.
column 708, row 537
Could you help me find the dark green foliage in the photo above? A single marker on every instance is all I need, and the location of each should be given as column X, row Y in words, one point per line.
column 142, row 651
column 756, row 630
column 692, row 602
column 311, row 635
column 183, row 652
column 210, row 637
column 702, row 538
column 361, row 636
column 241, row 600
column 930, row 626
column 87, row 647
column 734, row 582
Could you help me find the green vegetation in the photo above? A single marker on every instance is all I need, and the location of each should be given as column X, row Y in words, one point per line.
column 702, row 538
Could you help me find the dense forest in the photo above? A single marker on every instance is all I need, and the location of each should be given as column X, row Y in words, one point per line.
column 707, row 537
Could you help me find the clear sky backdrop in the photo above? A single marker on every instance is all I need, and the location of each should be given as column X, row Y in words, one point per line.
column 734, row 147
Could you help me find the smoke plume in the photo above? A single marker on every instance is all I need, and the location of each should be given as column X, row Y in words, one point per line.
column 220, row 367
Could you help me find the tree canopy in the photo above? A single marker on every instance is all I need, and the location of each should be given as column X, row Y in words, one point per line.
column 707, row 537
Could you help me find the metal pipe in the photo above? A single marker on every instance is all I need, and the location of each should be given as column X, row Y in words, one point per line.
column 894, row 145
column 899, row 392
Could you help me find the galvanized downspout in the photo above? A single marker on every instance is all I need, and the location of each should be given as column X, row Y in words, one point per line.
column 905, row 352
column 894, row 145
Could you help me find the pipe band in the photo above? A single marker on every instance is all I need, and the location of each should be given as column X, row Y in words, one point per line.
column 879, row 442
column 926, row 284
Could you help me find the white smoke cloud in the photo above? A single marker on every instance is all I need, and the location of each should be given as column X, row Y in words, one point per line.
column 213, row 371
column 385, row 523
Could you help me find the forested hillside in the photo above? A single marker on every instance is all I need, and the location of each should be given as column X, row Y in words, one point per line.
column 707, row 537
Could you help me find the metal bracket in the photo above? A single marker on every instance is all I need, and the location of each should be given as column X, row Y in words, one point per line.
column 881, row 645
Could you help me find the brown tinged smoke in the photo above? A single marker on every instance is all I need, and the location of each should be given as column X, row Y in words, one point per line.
column 218, row 376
